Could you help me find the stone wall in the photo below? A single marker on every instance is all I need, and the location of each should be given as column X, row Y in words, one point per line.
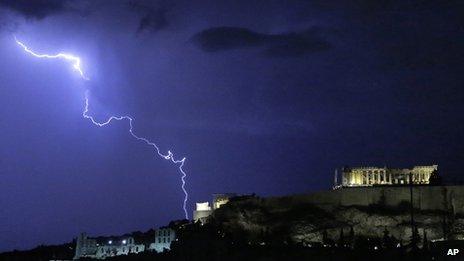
column 424, row 197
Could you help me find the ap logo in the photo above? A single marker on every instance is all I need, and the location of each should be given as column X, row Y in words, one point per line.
column 452, row 252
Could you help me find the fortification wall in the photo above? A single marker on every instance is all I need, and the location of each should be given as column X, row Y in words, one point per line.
column 424, row 197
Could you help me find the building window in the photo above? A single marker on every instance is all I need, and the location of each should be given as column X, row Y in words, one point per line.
column 159, row 240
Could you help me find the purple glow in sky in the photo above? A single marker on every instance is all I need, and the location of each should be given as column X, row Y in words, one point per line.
column 76, row 65
column 265, row 97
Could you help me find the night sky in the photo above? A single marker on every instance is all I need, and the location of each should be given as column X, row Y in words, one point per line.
column 260, row 96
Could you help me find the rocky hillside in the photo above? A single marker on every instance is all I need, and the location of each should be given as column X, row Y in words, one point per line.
column 293, row 220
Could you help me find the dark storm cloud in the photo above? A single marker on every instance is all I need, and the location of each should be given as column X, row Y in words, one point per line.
column 424, row 53
column 285, row 44
column 409, row 35
column 370, row 8
column 406, row 34
column 35, row 9
column 153, row 17
column 153, row 21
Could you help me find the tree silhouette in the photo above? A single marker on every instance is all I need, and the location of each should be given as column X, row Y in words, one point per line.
column 387, row 240
column 425, row 243
column 325, row 239
column 415, row 238
column 341, row 240
column 351, row 237
column 435, row 179
column 447, row 215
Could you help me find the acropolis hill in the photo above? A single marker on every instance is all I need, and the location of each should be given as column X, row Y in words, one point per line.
column 364, row 211
column 354, row 218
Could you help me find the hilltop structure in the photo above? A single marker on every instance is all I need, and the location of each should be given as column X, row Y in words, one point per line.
column 371, row 176
column 203, row 209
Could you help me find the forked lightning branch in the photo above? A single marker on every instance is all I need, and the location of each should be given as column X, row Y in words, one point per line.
column 76, row 63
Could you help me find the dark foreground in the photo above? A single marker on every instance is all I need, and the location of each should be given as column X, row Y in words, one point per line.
column 231, row 234
column 205, row 249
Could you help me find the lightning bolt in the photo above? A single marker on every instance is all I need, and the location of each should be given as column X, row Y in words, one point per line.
column 168, row 156
column 69, row 57
column 76, row 63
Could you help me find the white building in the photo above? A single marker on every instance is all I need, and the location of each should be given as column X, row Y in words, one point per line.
column 121, row 247
column 163, row 238
column 85, row 247
column 104, row 247
column 202, row 212
column 101, row 248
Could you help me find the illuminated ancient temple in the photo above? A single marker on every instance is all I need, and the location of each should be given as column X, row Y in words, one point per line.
column 370, row 176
